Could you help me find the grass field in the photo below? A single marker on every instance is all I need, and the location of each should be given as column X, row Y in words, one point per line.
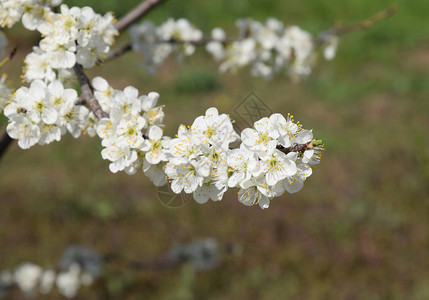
column 358, row 230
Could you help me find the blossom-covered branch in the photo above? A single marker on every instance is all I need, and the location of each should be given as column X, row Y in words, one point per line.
column 274, row 157
column 267, row 48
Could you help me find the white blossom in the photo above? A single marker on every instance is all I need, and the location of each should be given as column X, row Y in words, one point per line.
column 47, row 280
column 103, row 92
column 278, row 165
column 150, row 41
column 243, row 164
column 27, row 277
column 68, row 282
column 208, row 191
column 251, row 196
column 214, row 129
column 155, row 173
column 23, row 129
column 37, row 66
column 153, row 145
column 43, row 113
column 262, row 139
column 331, row 47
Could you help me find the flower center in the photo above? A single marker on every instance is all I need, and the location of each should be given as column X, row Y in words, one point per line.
column 156, row 145
column 40, row 106
column 273, row 163
column 191, row 170
column 69, row 116
column 131, row 131
column 211, row 131
column 264, row 138
column 58, row 100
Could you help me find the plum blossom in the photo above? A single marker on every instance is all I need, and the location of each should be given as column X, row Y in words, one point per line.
column 27, row 276
column 214, row 129
column 262, row 139
column 43, row 113
column 149, row 40
column 154, row 146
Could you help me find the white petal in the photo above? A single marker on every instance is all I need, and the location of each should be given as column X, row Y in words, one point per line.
column 304, row 136
column 293, row 186
column 264, row 202
column 201, row 195
column 176, row 187
column 99, row 83
column 131, row 92
column 155, row 133
column 49, row 115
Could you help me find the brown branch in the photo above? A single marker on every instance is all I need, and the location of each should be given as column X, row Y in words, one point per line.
column 201, row 42
column 80, row 101
column 138, row 12
column 294, row 148
column 118, row 52
column 359, row 26
column 5, row 142
column 87, row 93
column 300, row 148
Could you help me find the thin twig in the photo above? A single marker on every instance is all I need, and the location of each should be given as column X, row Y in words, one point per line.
column 368, row 23
column 5, row 142
column 301, row 148
column 135, row 14
column 201, row 42
column 294, row 148
column 359, row 26
column 118, row 52
column 87, row 93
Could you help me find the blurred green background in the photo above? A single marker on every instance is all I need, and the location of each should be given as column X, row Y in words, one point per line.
column 358, row 230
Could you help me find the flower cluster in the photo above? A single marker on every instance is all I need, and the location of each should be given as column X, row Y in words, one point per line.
column 32, row 12
column 198, row 157
column 29, row 278
column 76, row 35
column 267, row 48
column 275, row 157
column 152, row 41
column 47, row 109
column 44, row 112
column 132, row 135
